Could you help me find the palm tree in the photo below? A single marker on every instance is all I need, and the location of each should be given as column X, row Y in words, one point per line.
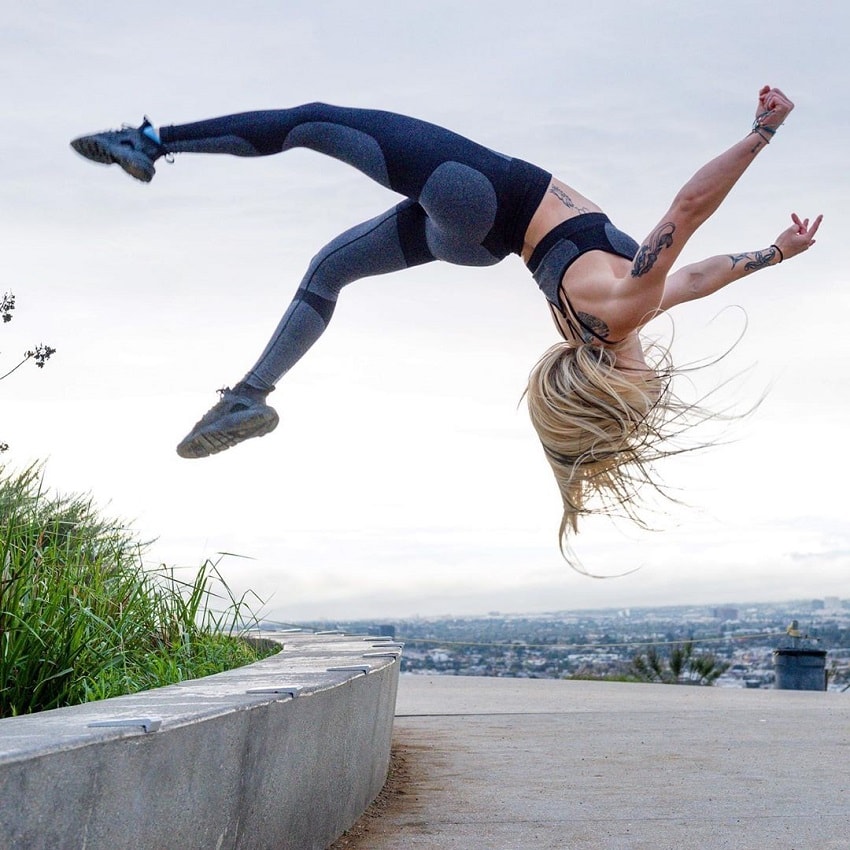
column 682, row 667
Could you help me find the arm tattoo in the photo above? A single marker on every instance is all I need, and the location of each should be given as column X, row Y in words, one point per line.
column 592, row 327
column 656, row 242
column 755, row 260
column 566, row 200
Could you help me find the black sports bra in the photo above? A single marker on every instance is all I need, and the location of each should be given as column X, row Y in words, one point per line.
column 561, row 247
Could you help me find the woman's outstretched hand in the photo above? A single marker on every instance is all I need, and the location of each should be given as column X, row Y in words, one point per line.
column 799, row 237
column 773, row 108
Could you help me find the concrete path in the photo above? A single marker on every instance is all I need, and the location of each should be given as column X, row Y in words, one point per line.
column 507, row 764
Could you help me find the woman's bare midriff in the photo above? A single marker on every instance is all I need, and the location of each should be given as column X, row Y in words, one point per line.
column 560, row 203
column 590, row 277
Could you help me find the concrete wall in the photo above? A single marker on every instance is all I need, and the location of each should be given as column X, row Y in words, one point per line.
column 206, row 764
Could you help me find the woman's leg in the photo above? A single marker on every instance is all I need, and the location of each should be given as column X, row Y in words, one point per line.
column 453, row 204
column 390, row 242
column 450, row 176
column 459, row 183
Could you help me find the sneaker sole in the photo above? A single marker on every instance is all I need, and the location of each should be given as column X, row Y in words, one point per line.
column 97, row 151
column 227, row 433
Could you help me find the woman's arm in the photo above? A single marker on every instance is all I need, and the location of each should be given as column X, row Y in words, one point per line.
column 701, row 279
column 640, row 294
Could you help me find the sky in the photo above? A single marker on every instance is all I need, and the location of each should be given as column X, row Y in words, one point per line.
column 404, row 478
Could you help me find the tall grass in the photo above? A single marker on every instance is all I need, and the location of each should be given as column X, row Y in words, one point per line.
column 82, row 618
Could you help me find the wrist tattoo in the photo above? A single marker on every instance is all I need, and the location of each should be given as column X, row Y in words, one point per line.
column 754, row 260
column 648, row 253
column 566, row 200
column 757, row 146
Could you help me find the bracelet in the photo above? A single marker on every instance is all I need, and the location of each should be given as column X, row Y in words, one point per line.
column 781, row 255
column 759, row 128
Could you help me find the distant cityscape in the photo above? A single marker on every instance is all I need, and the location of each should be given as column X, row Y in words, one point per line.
column 728, row 646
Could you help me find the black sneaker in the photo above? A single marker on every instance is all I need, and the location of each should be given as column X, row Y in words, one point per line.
column 133, row 148
column 239, row 415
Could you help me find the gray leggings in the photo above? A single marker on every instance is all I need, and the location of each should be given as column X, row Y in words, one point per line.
column 466, row 204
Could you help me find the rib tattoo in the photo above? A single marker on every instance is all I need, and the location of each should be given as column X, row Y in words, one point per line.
column 656, row 242
column 566, row 200
column 592, row 326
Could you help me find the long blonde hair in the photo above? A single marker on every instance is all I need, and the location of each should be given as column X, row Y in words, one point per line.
column 603, row 426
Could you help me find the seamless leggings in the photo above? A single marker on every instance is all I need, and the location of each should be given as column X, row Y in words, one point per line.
column 455, row 190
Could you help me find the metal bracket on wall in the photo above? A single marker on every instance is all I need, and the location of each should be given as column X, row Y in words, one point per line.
column 286, row 690
column 149, row 724
column 350, row 668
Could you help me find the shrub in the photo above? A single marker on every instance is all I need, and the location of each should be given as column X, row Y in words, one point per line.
column 82, row 618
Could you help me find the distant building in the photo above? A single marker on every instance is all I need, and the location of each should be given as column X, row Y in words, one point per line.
column 725, row 613
column 818, row 605
column 439, row 656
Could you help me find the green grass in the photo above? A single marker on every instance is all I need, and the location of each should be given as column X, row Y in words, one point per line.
column 82, row 618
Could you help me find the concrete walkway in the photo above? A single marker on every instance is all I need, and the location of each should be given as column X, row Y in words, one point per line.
column 505, row 764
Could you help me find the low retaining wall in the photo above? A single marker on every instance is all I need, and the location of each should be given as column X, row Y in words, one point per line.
column 284, row 754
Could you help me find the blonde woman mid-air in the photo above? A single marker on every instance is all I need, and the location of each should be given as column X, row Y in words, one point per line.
column 602, row 410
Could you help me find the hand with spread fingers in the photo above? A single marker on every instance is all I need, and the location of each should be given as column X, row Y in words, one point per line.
column 799, row 237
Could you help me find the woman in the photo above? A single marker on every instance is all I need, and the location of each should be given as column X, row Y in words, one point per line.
column 597, row 405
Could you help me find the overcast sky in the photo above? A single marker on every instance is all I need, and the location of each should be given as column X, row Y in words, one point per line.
column 404, row 478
